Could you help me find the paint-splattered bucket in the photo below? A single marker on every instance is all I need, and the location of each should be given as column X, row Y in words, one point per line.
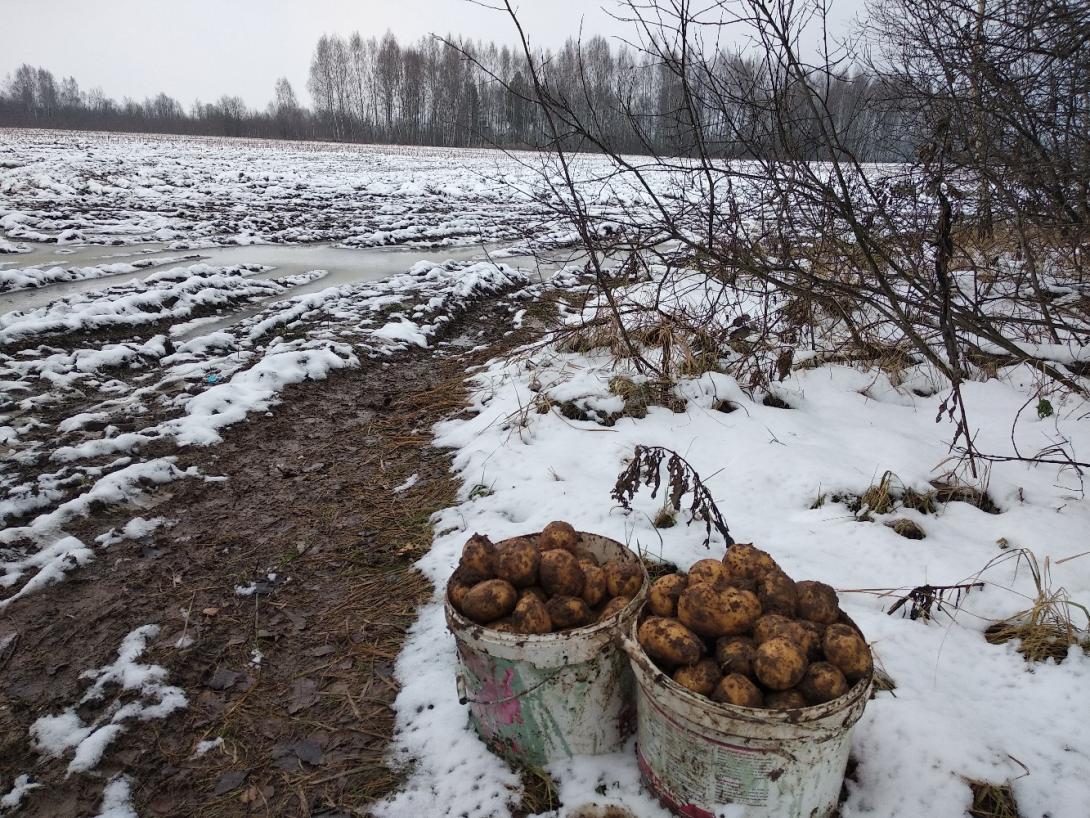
column 539, row 698
column 703, row 759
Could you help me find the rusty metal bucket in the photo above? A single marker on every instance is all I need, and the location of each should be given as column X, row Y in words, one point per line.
column 699, row 756
column 539, row 698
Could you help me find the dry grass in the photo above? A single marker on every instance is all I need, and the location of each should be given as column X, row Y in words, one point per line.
column 907, row 528
column 1046, row 629
column 992, row 800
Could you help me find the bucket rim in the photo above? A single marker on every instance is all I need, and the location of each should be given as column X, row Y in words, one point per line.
column 607, row 627
column 798, row 716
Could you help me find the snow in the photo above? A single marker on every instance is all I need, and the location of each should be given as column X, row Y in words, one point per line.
column 405, row 331
column 117, row 799
column 154, row 699
column 962, row 707
column 19, row 788
column 410, row 481
column 207, row 746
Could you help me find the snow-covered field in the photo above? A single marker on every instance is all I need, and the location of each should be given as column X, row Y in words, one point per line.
column 101, row 389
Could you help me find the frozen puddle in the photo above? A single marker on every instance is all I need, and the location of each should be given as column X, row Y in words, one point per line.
column 344, row 265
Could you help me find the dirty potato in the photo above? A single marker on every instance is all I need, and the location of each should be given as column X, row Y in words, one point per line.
column 735, row 654
column 785, row 700
column 534, row 590
column 845, row 648
column 711, row 612
column 700, row 678
column 504, row 625
column 614, row 607
column 531, row 616
column 736, row 689
column 457, row 588
column 489, row 600
column 822, row 683
column 623, row 578
column 560, row 573
column 769, row 626
column 663, row 593
column 817, row 602
column 478, row 559
column 776, row 591
column 594, row 583
column 568, row 612
column 709, row 570
column 517, row 563
column 558, row 534
column 780, row 663
column 743, row 561
column 669, row 642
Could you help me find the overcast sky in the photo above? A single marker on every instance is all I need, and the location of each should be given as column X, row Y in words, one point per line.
column 202, row 49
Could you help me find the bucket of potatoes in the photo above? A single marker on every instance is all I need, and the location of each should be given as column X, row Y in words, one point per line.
column 740, row 631
column 555, row 581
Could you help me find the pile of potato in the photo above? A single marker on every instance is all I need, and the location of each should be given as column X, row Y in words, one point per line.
column 740, row 631
column 539, row 584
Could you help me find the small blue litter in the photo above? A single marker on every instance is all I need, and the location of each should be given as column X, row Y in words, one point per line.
column 212, row 378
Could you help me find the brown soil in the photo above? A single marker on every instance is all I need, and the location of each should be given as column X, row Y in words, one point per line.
column 309, row 498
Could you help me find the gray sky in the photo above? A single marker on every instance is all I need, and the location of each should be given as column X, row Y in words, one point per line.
column 203, row 49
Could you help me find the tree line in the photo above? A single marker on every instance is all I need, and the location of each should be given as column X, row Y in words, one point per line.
column 459, row 92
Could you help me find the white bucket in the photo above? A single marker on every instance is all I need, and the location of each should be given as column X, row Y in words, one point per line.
column 700, row 757
column 539, row 698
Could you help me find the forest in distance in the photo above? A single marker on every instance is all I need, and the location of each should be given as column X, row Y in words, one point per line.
column 459, row 92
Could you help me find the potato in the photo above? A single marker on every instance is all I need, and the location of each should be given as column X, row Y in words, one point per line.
column 477, row 559
column 517, row 563
column 669, row 642
column 709, row 570
column 780, row 663
column 557, row 534
column 534, row 590
column 736, row 689
column 568, row 612
column 814, row 634
column 584, row 554
column 457, row 587
column 560, row 573
column 613, row 607
column 700, row 678
column 845, row 648
column 785, row 700
column 663, row 593
column 711, row 612
column 594, row 583
column 743, row 561
column 623, row 578
column 504, row 625
column 776, row 591
column 769, row 626
column 743, row 584
column 489, row 600
column 531, row 616
column 823, row 682
column 817, row 602
column 735, row 654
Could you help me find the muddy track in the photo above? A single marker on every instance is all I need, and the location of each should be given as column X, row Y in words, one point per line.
column 309, row 517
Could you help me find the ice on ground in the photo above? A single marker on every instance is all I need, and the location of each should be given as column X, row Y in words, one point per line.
column 153, row 699
column 411, row 481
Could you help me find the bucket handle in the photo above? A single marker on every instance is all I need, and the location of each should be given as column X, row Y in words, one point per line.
column 464, row 698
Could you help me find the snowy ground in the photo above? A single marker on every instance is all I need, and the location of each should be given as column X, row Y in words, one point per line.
column 102, row 389
column 75, row 188
column 962, row 708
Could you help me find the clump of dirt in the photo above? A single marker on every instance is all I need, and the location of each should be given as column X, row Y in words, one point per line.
column 283, row 594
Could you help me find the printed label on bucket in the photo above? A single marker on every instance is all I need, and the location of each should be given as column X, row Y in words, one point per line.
column 704, row 771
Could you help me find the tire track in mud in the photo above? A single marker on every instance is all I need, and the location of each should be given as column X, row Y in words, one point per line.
column 289, row 587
